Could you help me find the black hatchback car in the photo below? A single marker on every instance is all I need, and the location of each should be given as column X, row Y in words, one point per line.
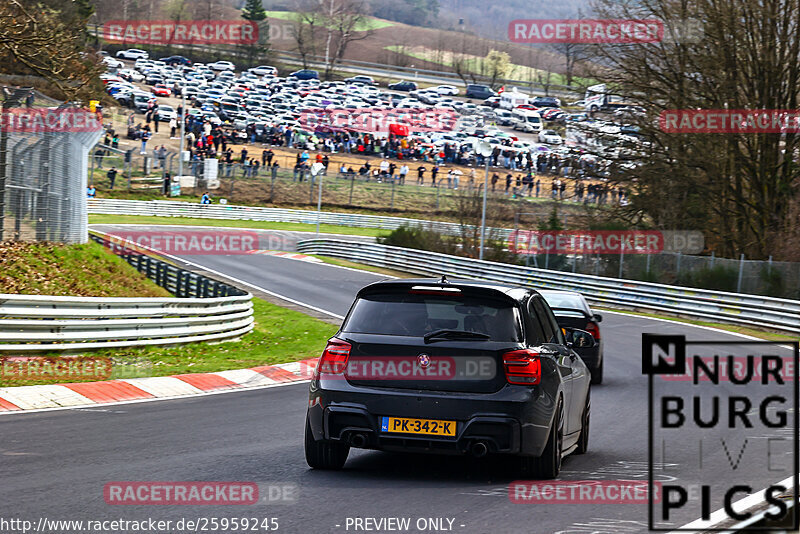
column 572, row 311
column 458, row 367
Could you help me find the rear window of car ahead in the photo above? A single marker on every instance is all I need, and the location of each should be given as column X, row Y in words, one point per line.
column 407, row 314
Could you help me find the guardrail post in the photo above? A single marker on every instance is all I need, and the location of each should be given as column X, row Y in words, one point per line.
column 741, row 272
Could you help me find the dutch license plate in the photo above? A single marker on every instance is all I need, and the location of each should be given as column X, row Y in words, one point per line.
column 428, row 427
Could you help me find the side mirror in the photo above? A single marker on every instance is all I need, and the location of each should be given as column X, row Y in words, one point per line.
column 579, row 339
column 597, row 318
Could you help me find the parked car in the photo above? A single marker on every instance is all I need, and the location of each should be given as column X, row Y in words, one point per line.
column 263, row 70
column 572, row 311
column 366, row 80
column 550, row 137
column 396, row 377
column 130, row 75
column 177, row 60
column 305, row 74
column 112, row 63
column 481, row 92
column 165, row 113
column 546, row 102
column 161, row 90
column 133, row 53
column 446, row 90
column 221, row 65
column 403, row 86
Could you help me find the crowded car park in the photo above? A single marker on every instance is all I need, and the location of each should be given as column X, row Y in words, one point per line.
column 260, row 106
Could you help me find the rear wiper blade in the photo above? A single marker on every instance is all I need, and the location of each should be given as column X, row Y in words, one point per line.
column 453, row 334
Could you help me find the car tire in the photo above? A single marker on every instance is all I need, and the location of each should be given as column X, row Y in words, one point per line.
column 597, row 374
column 548, row 465
column 323, row 454
column 583, row 439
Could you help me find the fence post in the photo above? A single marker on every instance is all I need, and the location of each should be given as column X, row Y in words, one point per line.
column 392, row 202
column 741, row 272
column 712, row 259
column 621, row 258
column 352, row 183
column 648, row 264
column 437, row 195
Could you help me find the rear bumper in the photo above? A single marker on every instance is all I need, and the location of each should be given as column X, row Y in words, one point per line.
column 514, row 420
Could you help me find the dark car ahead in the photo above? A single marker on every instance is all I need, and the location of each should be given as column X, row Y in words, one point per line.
column 464, row 368
column 546, row 102
column 403, row 86
column 177, row 60
column 305, row 74
column 572, row 311
column 481, row 92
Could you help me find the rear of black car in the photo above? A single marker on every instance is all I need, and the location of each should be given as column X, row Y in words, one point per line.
column 432, row 368
column 572, row 311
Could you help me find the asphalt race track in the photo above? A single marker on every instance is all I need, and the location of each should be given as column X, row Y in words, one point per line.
column 55, row 464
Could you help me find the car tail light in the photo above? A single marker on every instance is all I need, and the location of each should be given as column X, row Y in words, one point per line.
column 334, row 358
column 593, row 329
column 522, row 367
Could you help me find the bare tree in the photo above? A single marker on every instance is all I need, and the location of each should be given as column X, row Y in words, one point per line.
column 48, row 43
column 305, row 28
column 346, row 22
column 735, row 187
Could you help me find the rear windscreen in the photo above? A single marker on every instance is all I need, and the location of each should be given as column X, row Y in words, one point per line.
column 563, row 300
column 410, row 314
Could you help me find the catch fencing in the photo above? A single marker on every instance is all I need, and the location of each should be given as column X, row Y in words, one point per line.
column 743, row 310
column 206, row 310
column 43, row 177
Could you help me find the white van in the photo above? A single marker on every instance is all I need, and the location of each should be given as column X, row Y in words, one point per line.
column 526, row 120
column 512, row 99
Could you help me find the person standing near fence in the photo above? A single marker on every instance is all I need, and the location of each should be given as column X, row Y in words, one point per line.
column 145, row 137
column 421, row 175
column 173, row 127
column 112, row 176
column 98, row 157
column 403, row 173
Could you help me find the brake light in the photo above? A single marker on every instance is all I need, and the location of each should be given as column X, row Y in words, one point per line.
column 522, row 367
column 334, row 358
column 593, row 329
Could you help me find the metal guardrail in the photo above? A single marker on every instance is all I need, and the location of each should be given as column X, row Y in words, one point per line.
column 163, row 208
column 206, row 310
column 733, row 308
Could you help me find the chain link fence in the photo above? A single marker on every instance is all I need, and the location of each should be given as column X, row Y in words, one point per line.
column 755, row 277
column 43, row 172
